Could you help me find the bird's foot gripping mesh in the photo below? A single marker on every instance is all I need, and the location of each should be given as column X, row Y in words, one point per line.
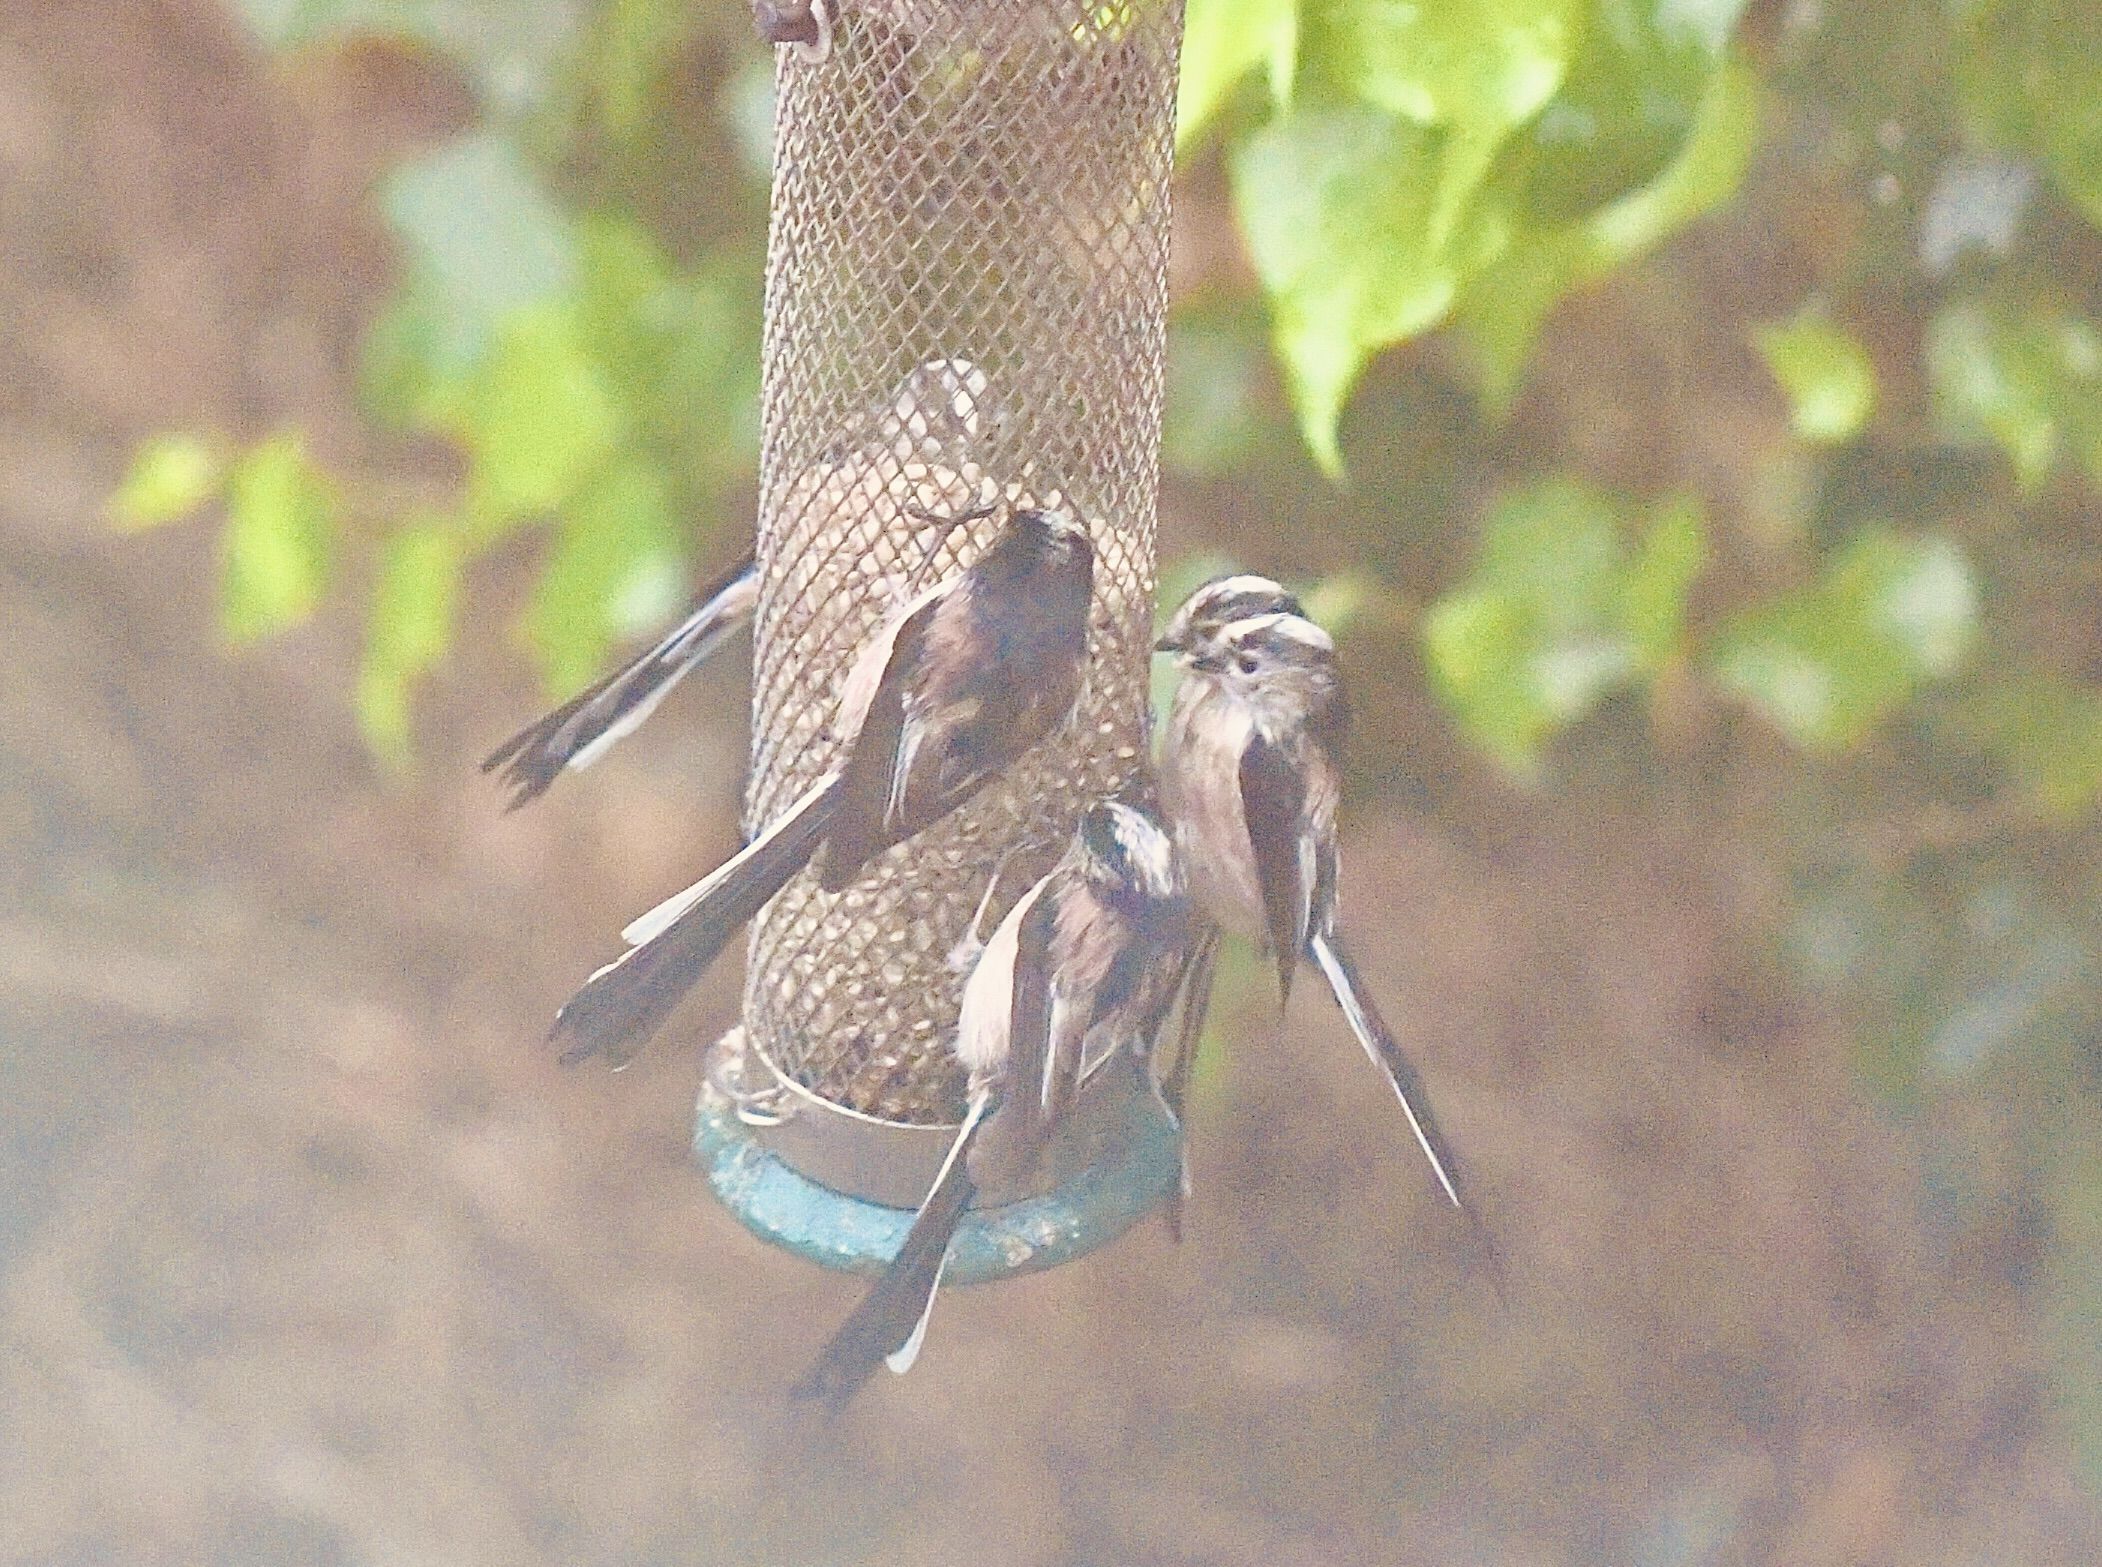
column 967, row 281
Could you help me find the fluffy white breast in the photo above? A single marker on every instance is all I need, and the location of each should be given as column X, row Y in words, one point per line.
column 988, row 995
column 1208, row 729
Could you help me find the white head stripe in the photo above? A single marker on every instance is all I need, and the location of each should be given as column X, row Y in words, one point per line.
column 1248, row 585
column 1290, row 628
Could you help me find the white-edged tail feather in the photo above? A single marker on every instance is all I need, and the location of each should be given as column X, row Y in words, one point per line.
column 890, row 1325
column 647, row 927
column 1386, row 1055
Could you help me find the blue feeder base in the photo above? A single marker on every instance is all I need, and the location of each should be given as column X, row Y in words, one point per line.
column 1140, row 1167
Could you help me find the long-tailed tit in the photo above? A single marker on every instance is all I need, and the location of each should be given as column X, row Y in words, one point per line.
column 938, row 410
column 1250, row 777
column 1078, row 974
column 1199, row 619
column 958, row 683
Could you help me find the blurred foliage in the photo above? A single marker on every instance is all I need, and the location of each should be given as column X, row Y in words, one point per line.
column 1830, row 383
column 1879, row 586
column 1571, row 597
column 1829, row 662
column 1471, row 162
column 591, row 365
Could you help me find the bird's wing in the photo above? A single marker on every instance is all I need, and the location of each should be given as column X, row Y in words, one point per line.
column 1273, row 804
column 877, row 746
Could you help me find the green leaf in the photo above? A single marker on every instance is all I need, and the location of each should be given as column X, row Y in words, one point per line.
column 170, row 477
column 275, row 551
column 1632, row 97
column 2030, row 76
column 1558, row 612
column 414, row 603
column 2029, row 382
column 1337, row 207
column 1489, row 65
column 1476, row 69
column 617, row 568
column 1222, row 41
column 1659, row 581
column 537, row 418
column 1830, row 383
column 1504, row 308
column 484, row 241
column 1830, row 663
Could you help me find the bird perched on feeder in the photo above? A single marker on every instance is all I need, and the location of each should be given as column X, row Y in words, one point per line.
column 1080, row 972
column 938, row 410
column 1250, row 778
column 957, row 684
column 1200, row 618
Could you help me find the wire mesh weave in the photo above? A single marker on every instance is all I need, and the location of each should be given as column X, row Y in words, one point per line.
column 966, row 296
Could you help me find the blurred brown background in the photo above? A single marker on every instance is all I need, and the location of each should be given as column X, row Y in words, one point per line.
column 309, row 1254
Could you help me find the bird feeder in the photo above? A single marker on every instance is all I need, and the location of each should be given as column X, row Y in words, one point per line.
column 965, row 305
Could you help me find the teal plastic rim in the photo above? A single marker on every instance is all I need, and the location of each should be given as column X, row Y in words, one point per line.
column 1135, row 1170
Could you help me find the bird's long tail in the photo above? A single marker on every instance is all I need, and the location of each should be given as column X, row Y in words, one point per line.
column 890, row 1324
column 1196, row 991
column 581, row 730
column 1326, row 949
column 623, row 1004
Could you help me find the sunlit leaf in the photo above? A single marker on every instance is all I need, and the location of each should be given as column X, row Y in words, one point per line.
column 1487, row 64
column 617, row 567
column 170, row 477
column 1659, row 580
column 536, row 418
column 1830, row 383
column 1629, row 102
column 279, row 513
column 414, row 601
column 1337, row 207
column 2029, row 382
column 1559, row 611
column 1828, row 664
column 1504, row 307
column 1222, row 41
column 679, row 355
column 1475, row 69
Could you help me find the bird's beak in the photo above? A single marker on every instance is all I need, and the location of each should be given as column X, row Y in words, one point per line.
column 1170, row 643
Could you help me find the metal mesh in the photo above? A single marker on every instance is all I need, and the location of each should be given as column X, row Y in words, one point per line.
column 966, row 292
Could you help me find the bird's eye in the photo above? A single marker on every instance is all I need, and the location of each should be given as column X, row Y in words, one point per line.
column 1247, row 663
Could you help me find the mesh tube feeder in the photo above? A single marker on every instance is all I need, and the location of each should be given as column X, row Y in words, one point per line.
column 965, row 308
